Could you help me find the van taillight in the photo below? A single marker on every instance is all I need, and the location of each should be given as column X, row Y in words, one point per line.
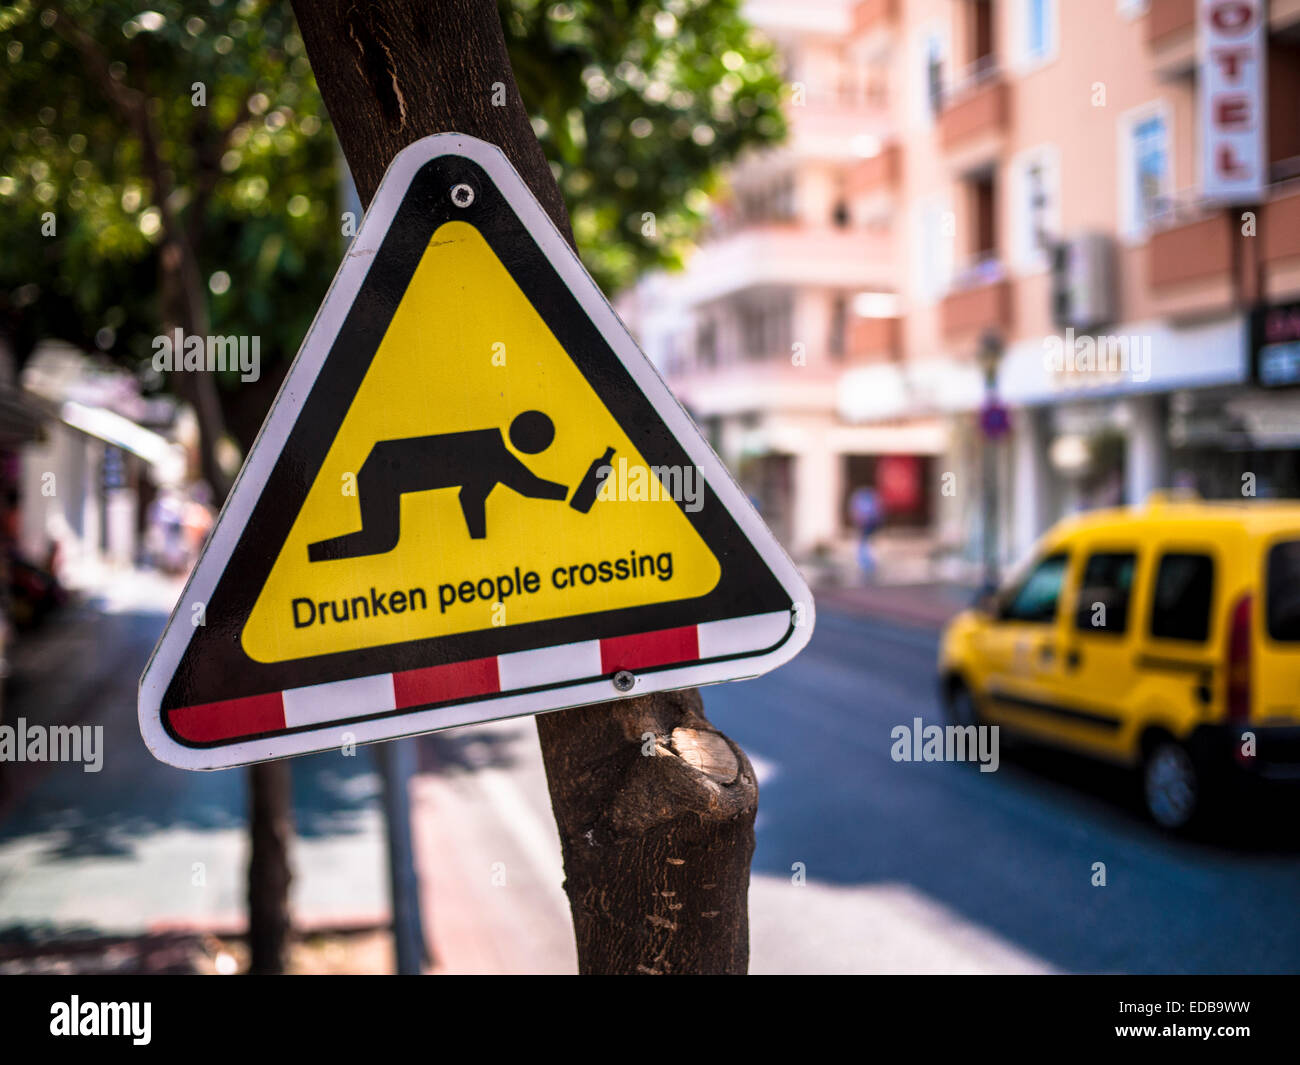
column 1239, row 660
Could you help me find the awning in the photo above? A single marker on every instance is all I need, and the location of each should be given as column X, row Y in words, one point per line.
column 167, row 458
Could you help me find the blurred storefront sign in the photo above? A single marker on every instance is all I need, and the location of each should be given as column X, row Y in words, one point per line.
column 995, row 419
column 1275, row 346
column 898, row 482
column 1164, row 359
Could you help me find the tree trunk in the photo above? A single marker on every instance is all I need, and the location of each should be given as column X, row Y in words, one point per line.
column 654, row 806
column 270, row 831
column 270, row 825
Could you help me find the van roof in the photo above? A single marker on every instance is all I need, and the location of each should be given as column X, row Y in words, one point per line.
column 1257, row 516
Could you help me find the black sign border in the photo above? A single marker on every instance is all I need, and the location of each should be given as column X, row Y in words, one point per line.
column 214, row 660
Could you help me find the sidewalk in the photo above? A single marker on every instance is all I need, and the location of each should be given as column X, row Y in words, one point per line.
column 928, row 606
column 142, row 849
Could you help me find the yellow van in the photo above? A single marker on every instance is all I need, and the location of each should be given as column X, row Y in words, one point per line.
column 1164, row 637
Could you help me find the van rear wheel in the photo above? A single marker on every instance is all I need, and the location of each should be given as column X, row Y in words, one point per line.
column 1171, row 784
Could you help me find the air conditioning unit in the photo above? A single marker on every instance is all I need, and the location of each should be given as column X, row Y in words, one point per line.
column 1083, row 281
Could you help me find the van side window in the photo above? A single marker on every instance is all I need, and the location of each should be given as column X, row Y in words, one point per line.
column 1104, row 592
column 1180, row 608
column 1037, row 596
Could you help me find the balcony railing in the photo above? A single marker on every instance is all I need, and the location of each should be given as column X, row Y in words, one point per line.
column 980, row 300
column 792, row 255
column 978, row 107
column 877, row 173
column 836, row 128
column 873, row 339
column 1190, row 249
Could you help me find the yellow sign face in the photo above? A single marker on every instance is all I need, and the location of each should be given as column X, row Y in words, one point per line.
column 477, row 480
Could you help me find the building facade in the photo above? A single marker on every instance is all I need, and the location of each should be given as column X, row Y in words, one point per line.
column 1023, row 198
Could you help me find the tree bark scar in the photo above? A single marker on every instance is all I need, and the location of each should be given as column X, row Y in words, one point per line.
column 374, row 59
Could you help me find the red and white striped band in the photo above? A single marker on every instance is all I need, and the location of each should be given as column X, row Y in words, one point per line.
column 339, row 701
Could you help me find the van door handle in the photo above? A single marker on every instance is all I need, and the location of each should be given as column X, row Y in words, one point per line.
column 1072, row 658
column 1046, row 652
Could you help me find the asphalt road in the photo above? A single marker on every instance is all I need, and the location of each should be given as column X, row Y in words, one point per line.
column 1008, row 854
column 863, row 864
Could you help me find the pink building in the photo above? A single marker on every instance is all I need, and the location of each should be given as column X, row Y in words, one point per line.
column 1049, row 181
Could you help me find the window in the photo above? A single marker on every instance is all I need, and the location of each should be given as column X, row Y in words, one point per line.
column 982, row 191
column 836, row 341
column 1037, row 32
column 1104, row 593
column 1145, row 169
column 1151, row 156
column 1035, row 201
column 1036, row 598
column 1180, row 608
column 929, row 57
column 706, row 345
column 1283, row 607
column 981, row 34
column 766, row 325
column 1035, row 28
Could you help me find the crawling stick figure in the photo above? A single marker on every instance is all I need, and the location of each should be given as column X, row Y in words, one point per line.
column 475, row 461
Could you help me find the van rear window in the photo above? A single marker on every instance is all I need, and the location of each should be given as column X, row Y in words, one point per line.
column 1283, row 592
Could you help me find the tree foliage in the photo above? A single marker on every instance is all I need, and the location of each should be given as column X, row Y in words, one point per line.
column 246, row 165
column 636, row 103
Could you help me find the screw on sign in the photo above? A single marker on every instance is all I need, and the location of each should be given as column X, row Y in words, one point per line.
column 995, row 420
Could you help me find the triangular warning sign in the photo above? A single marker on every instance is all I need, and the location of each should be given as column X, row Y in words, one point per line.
column 473, row 498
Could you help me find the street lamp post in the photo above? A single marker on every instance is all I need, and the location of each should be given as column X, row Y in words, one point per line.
column 993, row 425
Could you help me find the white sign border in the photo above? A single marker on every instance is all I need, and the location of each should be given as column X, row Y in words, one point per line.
column 284, row 413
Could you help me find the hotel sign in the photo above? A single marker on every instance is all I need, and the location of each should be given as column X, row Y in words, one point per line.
column 1233, row 40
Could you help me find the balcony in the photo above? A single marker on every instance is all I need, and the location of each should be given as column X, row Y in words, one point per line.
column 873, row 16
column 974, row 121
column 1189, row 265
column 1279, row 229
column 1283, row 15
column 1279, row 237
column 830, row 128
column 873, row 339
column 1192, row 251
column 968, row 311
column 879, row 173
column 757, row 385
column 792, row 255
column 1171, row 37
